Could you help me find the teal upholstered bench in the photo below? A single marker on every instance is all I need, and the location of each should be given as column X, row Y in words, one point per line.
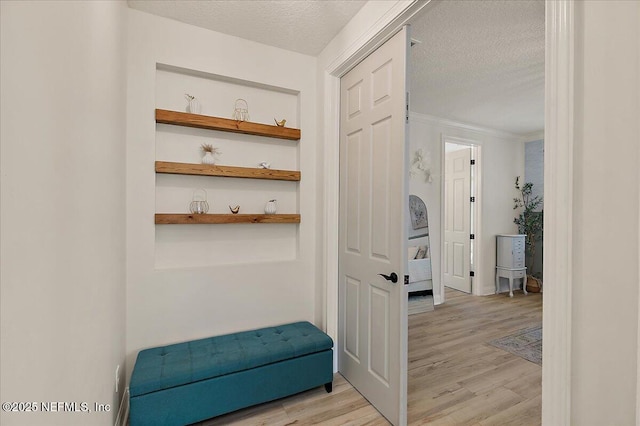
column 188, row 382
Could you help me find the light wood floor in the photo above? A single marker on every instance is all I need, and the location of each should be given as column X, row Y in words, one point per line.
column 455, row 377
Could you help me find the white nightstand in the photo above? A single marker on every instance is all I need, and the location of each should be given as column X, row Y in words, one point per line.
column 510, row 261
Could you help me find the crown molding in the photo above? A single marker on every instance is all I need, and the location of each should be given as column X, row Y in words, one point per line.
column 534, row 136
column 426, row 118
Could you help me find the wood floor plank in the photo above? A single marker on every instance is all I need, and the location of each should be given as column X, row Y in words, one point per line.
column 433, row 407
column 501, row 374
column 365, row 416
column 526, row 386
column 526, row 413
column 264, row 414
column 483, row 406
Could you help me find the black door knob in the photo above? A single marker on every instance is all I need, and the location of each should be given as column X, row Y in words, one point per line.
column 393, row 277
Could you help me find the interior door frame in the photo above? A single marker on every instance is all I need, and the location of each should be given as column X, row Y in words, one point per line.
column 477, row 286
column 558, row 158
column 558, row 222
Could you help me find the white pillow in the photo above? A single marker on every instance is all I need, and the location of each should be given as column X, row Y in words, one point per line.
column 412, row 252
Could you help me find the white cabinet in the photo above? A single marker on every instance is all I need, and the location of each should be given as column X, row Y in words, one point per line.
column 510, row 261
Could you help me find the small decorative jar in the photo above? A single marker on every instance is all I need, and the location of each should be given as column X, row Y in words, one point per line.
column 270, row 207
column 208, row 158
column 199, row 204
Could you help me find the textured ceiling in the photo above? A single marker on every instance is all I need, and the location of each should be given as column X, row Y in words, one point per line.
column 480, row 62
column 300, row 26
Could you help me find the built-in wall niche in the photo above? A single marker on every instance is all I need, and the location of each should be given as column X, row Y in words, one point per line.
column 183, row 242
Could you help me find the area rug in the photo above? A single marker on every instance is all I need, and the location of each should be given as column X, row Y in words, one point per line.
column 525, row 343
column 419, row 304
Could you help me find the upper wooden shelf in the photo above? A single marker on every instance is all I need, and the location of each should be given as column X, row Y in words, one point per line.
column 182, row 219
column 224, row 124
column 225, row 171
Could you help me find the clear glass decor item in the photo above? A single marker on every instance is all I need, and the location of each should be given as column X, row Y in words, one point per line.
column 199, row 204
column 241, row 110
column 271, row 207
column 193, row 104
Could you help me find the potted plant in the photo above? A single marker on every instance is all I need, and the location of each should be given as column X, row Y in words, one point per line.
column 530, row 223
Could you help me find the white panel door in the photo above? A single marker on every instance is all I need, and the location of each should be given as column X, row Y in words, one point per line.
column 457, row 220
column 372, row 323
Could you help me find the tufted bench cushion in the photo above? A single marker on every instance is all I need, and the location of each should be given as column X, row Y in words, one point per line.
column 299, row 355
column 174, row 365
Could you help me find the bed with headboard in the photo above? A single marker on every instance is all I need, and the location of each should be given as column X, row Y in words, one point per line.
column 418, row 248
column 419, row 268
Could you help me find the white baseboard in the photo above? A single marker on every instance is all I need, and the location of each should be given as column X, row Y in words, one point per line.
column 123, row 413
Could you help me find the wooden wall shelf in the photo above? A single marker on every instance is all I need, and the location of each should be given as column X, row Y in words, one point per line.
column 224, row 124
column 225, row 171
column 170, row 218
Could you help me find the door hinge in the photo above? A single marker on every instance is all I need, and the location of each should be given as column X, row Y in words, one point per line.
column 407, row 109
column 406, row 280
column 473, row 199
column 472, row 274
column 472, row 236
column 473, row 162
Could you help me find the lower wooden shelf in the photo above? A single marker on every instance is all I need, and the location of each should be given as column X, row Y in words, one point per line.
column 177, row 218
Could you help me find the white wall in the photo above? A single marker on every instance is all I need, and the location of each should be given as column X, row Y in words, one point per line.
column 534, row 173
column 502, row 159
column 62, row 236
column 605, row 223
column 534, row 167
column 176, row 301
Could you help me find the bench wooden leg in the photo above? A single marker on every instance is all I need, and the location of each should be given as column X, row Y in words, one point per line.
column 328, row 387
